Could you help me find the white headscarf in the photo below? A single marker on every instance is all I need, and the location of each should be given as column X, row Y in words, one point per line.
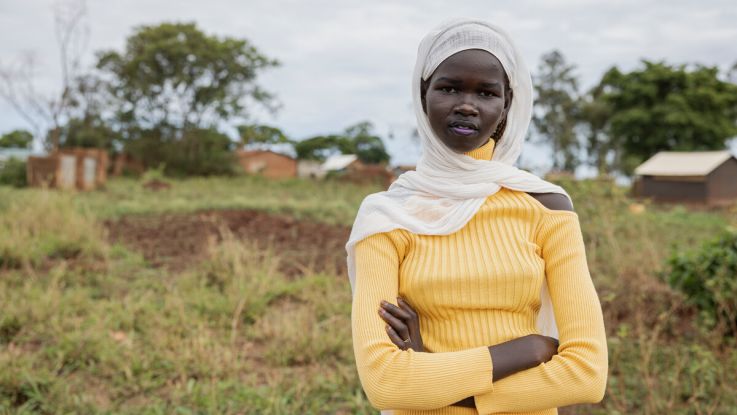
column 448, row 188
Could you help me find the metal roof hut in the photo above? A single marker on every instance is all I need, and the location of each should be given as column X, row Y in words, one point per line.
column 700, row 178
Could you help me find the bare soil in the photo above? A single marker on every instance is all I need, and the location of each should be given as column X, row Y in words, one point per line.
column 177, row 241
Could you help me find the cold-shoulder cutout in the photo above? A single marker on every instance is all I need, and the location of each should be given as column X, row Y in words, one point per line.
column 553, row 201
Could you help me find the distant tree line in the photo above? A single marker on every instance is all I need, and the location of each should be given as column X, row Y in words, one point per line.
column 358, row 139
column 629, row 116
column 16, row 139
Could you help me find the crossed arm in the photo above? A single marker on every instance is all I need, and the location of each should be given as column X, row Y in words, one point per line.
column 408, row 379
column 404, row 379
column 516, row 355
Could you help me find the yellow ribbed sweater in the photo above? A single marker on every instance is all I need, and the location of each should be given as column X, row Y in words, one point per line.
column 472, row 289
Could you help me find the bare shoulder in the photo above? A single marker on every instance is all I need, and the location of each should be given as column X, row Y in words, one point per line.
column 553, row 201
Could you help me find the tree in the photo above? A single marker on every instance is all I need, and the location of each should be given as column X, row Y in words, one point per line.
column 319, row 148
column 88, row 132
column 662, row 107
column 261, row 134
column 556, row 106
column 17, row 79
column 16, row 139
column 174, row 75
column 90, row 121
column 72, row 36
column 732, row 74
column 358, row 139
column 365, row 144
column 172, row 85
column 593, row 118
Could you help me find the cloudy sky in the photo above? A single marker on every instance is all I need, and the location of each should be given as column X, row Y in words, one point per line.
column 344, row 61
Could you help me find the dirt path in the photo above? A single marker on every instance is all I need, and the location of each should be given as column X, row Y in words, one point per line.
column 177, row 241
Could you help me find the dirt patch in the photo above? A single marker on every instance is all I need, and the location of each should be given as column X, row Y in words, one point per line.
column 156, row 185
column 177, row 241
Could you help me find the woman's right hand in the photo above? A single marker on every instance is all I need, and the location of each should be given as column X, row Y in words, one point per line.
column 403, row 322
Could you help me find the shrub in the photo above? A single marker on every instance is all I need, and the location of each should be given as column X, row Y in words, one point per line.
column 708, row 277
column 193, row 152
column 200, row 152
column 13, row 173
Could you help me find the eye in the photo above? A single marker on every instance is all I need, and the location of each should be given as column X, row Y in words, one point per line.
column 487, row 93
column 448, row 89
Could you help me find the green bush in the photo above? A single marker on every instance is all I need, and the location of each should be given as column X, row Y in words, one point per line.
column 13, row 173
column 193, row 152
column 708, row 278
column 200, row 152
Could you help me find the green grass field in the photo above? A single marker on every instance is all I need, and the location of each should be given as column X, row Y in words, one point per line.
column 88, row 325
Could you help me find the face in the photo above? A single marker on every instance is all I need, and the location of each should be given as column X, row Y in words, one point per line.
column 466, row 98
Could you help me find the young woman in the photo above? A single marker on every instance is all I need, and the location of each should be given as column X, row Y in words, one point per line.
column 490, row 257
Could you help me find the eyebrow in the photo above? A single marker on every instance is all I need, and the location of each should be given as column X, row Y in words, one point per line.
column 453, row 81
column 450, row 80
column 491, row 84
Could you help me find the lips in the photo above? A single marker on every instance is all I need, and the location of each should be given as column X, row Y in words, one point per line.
column 464, row 128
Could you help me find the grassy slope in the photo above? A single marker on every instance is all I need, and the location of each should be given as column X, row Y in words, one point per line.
column 89, row 327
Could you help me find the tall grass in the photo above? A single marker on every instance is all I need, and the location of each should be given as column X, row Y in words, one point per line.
column 40, row 225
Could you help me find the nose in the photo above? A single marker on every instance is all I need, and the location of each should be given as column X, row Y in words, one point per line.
column 466, row 109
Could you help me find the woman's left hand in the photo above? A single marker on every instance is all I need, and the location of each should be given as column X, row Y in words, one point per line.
column 403, row 325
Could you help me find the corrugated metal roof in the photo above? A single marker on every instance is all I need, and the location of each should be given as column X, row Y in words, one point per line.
column 691, row 163
column 339, row 162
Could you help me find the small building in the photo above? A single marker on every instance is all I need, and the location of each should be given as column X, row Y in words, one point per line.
column 310, row 169
column 74, row 168
column 267, row 163
column 701, row 178
column 90, row 166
